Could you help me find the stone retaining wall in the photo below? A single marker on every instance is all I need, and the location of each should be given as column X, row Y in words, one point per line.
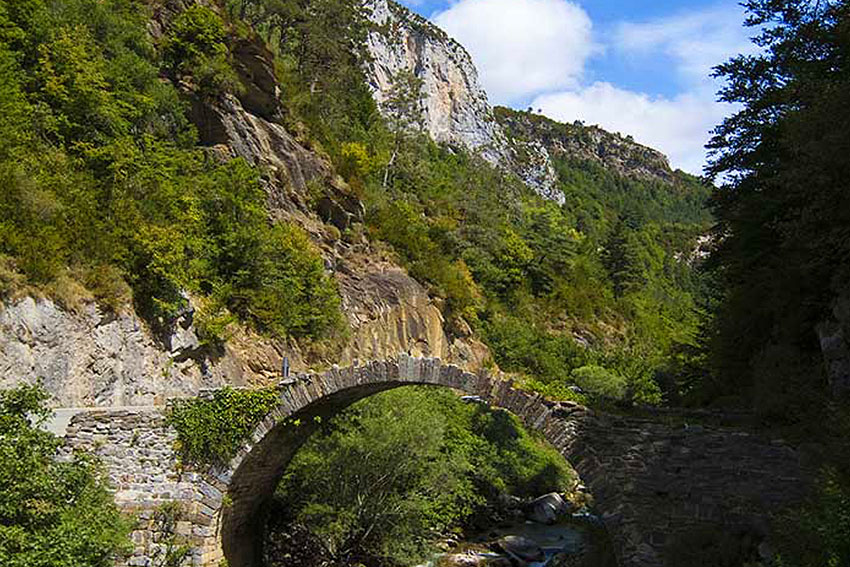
column 653, row 482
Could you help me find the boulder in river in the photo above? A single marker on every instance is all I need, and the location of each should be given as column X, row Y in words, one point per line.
column 519, row 547
column 460, row 560
column 547, row 509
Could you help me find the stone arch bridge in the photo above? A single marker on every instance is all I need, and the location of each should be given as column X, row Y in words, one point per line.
column 653, row 479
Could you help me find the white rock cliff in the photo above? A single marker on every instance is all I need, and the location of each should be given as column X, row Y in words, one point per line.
column 456, row 110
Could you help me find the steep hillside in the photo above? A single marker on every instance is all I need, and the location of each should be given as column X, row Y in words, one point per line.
column 267, row 209
column 537, row 139
column 629, row 178
column 71, row 320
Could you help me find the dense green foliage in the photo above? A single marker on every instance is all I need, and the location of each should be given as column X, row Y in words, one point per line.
column 210, row 431
column 784, row 213
column 52, row 513
column 380, row 481
column 820, row 534
column 103, row 186
column 607, row 266
column 107, row 189
column 318, row 46
column 519, row 271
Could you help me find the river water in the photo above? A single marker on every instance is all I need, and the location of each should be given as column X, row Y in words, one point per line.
column 569, row 537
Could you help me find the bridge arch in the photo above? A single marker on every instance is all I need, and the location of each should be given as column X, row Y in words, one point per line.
column 253, row 474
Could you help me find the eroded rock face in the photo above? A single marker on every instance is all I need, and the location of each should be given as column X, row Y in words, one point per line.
column 456, row 110
column 535, row 140
column 95, row 358
column 390, row 312
column 288, row 167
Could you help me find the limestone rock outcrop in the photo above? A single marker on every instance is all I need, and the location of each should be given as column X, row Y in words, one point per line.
column 535, row 140
column 95, row 358
column 456, row 109
column 455, row 106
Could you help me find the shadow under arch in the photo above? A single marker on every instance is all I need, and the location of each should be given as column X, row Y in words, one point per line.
column 254, row 473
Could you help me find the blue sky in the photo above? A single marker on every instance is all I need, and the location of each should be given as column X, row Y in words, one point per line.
column 631, row 66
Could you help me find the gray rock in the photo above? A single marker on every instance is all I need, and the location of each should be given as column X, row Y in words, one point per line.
column 91, row 357
column 547, row 509
column 521, row 548
column 460, row 560
column 455, row 106
column 508, row 501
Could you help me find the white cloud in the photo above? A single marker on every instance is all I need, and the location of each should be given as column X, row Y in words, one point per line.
column 676, row 126
column 540, row 49
column 522, row 47
column 694, row 41
column 680, row 125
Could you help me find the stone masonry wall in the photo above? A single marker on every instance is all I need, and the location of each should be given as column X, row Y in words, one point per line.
column 652, row 481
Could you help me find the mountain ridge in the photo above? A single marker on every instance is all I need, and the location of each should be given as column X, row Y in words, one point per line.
column 457, row 109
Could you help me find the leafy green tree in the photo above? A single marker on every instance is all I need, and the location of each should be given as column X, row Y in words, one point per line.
column 53, row 513
column 599, row 382
column 385, row 478
column 405, row 114
column 622, row 259
column 196, row 48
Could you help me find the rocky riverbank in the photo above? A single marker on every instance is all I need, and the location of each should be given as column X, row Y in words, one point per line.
column 548, row 531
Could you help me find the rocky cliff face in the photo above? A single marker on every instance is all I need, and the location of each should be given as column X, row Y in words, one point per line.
column 95, row 358
column 456, row 110
column 535, row 140
column 92, row 357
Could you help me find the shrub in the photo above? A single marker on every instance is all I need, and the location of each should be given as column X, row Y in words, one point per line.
column 11, row 281
column 196, row 47
column 173, row 549
column 210, row 431
column 381, row 479
column 644, row 390
column 600, row 383
column 52, row 513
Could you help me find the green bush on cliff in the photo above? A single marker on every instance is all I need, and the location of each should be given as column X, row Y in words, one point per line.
column 210, row 431
column 102, row 182
column 196, row 48
column 52, row 513
column 599, row 382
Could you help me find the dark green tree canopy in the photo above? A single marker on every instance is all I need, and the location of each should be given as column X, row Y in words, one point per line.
column 783, row 211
